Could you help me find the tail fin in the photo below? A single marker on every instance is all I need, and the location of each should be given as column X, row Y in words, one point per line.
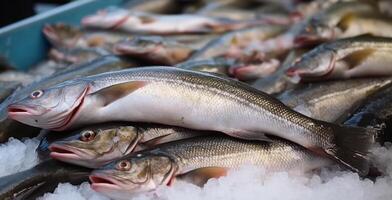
column 351, row 147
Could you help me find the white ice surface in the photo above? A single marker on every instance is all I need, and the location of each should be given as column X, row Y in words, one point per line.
column 16, row 156
column 250, row 183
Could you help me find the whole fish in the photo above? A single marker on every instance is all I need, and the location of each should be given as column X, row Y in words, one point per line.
column 76, row 55
column 339, row 21
column 43, row 178
column 332, row 101
column 66, row 36
column 361, row 56
column 190, row 99
column 196, row 160
column 94, row 147
column 376, row 112
column 11, row 128
column 253, row 71
column 154, row 49
column 62, row 35
column 236, row 40
column 138, row 22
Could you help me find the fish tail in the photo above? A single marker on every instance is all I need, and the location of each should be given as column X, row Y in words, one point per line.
column 351, row 147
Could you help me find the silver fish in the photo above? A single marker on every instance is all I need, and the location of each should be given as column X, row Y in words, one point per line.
column 188, row 99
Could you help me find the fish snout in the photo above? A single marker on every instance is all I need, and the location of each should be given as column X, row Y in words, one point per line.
column 293, row 71
column 20, row 110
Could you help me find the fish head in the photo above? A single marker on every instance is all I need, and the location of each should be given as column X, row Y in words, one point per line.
column 314, row 32
column 95, row 147
column 135, row 174
column 52, row 108
column 139, row 45
column 314, row 65
column 62, row 35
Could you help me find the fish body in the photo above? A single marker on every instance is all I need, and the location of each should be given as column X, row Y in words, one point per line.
column 187, row 99
column 232, row 42
column 361, row 56
column 43, row 178
column 332, row 101
column 196, row 160
column 65, row 36
column 95, row 146
column 154, row 49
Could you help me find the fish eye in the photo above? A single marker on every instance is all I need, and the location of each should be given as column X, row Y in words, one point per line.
column 87, row 136
column 124, row 165
column 36, row 94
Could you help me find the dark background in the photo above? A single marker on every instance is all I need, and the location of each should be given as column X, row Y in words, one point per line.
column 15, row 10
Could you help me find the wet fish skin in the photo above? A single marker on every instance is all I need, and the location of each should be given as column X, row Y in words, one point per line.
column 332, row 101
column 236, row 40
column 189, row 158
column 77, row 55
column 361, row 56
column 109, row 142
column 177, row 91
column 154, row 49
column 155, row 6
column 43, row 178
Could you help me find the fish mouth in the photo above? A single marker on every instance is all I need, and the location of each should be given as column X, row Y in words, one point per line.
column 63, row 153
column 75, row 110
column 100, row 182
column 16, row 110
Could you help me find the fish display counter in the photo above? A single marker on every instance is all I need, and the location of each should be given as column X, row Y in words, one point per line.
column 214, row 99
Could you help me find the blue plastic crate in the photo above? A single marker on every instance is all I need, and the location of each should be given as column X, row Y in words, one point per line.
column 22, row 44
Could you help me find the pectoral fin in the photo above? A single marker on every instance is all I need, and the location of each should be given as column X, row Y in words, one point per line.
column 145, row 19
column 202, row 175
column 356, row 58
column 115, row 92
column 345, row 21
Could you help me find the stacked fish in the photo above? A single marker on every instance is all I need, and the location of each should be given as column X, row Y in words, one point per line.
column 163, row 90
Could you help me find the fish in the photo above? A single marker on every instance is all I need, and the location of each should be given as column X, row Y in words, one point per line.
column 147, row 23
column 253, row 71
column 332, row 101
column 196, row 160
column 97, row 146
column 154, row 49
column 189, row 99
column 340, row 20
column 278, row 82
column 361, row 56
column 65, row 36
column 232, row 42
column 44, row 177
column 11, row 128
column 376, row 113
column 76, row 55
